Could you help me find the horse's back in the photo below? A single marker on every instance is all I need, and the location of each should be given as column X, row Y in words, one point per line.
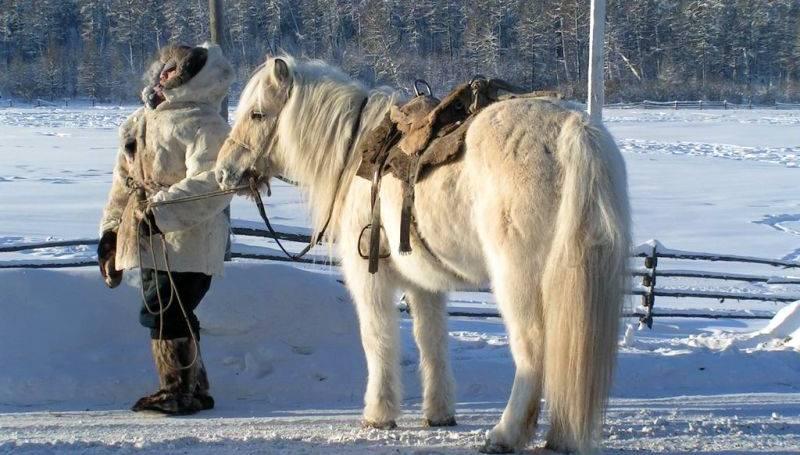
column 518, row 129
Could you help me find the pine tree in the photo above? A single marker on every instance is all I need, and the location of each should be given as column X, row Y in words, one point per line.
column 655, row 48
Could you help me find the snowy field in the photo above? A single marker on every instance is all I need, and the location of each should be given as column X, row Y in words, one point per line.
column 281, row 341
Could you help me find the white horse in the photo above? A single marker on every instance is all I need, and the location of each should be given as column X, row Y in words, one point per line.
column 537, row 207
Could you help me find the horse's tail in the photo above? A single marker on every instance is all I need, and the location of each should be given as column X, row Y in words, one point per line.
column 584, row 281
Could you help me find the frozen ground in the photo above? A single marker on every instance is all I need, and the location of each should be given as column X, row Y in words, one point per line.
column 285, row 360
column 719, row 425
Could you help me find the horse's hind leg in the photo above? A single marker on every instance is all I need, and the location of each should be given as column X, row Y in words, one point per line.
column 429, row 311
column 518, row 297
column 378, row 321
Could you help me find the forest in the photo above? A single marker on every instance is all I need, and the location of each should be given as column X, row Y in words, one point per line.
column 738, row 50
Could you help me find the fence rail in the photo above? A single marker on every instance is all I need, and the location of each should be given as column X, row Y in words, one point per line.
column 701, row 105
column 649, row 273
column 652, row 251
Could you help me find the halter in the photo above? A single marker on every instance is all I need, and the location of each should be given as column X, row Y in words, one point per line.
column 256, row 154
column 270, row 139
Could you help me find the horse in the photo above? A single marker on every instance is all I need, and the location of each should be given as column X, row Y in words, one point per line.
column 536, row 206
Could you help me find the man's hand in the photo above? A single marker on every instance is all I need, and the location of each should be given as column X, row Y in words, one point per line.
column 106, row 251
column 147, row 222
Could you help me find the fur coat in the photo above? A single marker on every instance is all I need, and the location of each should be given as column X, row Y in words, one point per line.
column 171, row 152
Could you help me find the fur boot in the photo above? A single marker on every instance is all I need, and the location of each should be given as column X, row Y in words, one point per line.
column 183, row 390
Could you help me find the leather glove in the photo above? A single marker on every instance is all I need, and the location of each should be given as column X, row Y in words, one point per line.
column 106, row 252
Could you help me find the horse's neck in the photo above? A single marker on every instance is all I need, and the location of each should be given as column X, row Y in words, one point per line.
column 328, row 184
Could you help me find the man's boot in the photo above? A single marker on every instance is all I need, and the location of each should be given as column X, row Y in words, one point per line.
column 184, row 385
column 201, row 390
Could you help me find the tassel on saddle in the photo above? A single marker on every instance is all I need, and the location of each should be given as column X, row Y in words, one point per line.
column 415, row 138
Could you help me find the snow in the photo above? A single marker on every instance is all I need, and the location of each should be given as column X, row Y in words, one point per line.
column 281, row 341
column 75, row 330
column 287, row 371
column 785, row 326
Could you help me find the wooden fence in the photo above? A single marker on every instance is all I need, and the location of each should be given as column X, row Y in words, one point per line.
column 652, row 251
column 701, row 105
column 649, row 272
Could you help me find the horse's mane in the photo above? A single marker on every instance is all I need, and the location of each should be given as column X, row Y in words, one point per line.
column 315, row 128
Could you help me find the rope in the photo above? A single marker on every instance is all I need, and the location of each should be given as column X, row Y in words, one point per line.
column 198, row 197
column 173, row 288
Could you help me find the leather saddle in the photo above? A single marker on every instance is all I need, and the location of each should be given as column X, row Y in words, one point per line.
column 418, row 136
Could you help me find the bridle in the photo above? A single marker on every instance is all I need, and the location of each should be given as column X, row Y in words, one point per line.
column 257, row 154
column 253, row 181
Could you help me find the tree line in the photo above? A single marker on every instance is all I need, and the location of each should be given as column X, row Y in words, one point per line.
column 737, row 50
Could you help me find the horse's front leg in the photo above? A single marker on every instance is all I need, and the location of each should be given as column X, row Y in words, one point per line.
column 429, row 311
column 378, row 319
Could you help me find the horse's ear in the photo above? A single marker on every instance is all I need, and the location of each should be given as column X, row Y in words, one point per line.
column 280, row 71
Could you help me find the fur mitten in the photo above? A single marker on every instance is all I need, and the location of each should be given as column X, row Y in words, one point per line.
column 106, row 252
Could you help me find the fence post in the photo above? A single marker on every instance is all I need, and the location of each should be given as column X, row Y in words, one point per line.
column 725, row 104
column 676, row 104
column 701, row 105
column 649, row 282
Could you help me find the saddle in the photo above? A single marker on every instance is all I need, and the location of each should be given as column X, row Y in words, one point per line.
column 417, row 137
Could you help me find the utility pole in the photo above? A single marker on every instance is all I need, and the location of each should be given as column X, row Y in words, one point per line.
column 215, row 26
column 597, row 31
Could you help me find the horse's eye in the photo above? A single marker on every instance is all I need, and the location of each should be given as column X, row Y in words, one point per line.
column 255, row 115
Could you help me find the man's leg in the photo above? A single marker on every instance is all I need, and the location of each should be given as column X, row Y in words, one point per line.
column 175, row 331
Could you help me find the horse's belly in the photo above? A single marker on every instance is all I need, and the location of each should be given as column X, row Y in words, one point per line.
column 446, row 252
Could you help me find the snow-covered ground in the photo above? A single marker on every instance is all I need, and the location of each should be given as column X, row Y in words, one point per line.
column 281, row 341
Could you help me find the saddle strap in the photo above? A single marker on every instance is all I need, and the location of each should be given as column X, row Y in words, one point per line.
column 377, row 176
column 375, row 237
column 405, row 218
column 407, row 209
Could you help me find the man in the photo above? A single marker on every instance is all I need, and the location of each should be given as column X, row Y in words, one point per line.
column 168, row 152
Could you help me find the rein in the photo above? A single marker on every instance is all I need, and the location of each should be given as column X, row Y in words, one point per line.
column 199, row 197
column 316, row 238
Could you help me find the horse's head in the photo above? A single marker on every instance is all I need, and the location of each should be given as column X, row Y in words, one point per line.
column 248, row 151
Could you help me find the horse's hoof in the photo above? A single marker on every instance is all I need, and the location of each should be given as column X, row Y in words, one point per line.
column 495, row 447
column 446, row 422
column 390, row 425
column 550, row 448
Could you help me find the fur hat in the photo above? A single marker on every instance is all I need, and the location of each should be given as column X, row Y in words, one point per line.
column 187, row 62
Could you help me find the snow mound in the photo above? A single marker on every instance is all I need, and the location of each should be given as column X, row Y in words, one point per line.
column 271, row 334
